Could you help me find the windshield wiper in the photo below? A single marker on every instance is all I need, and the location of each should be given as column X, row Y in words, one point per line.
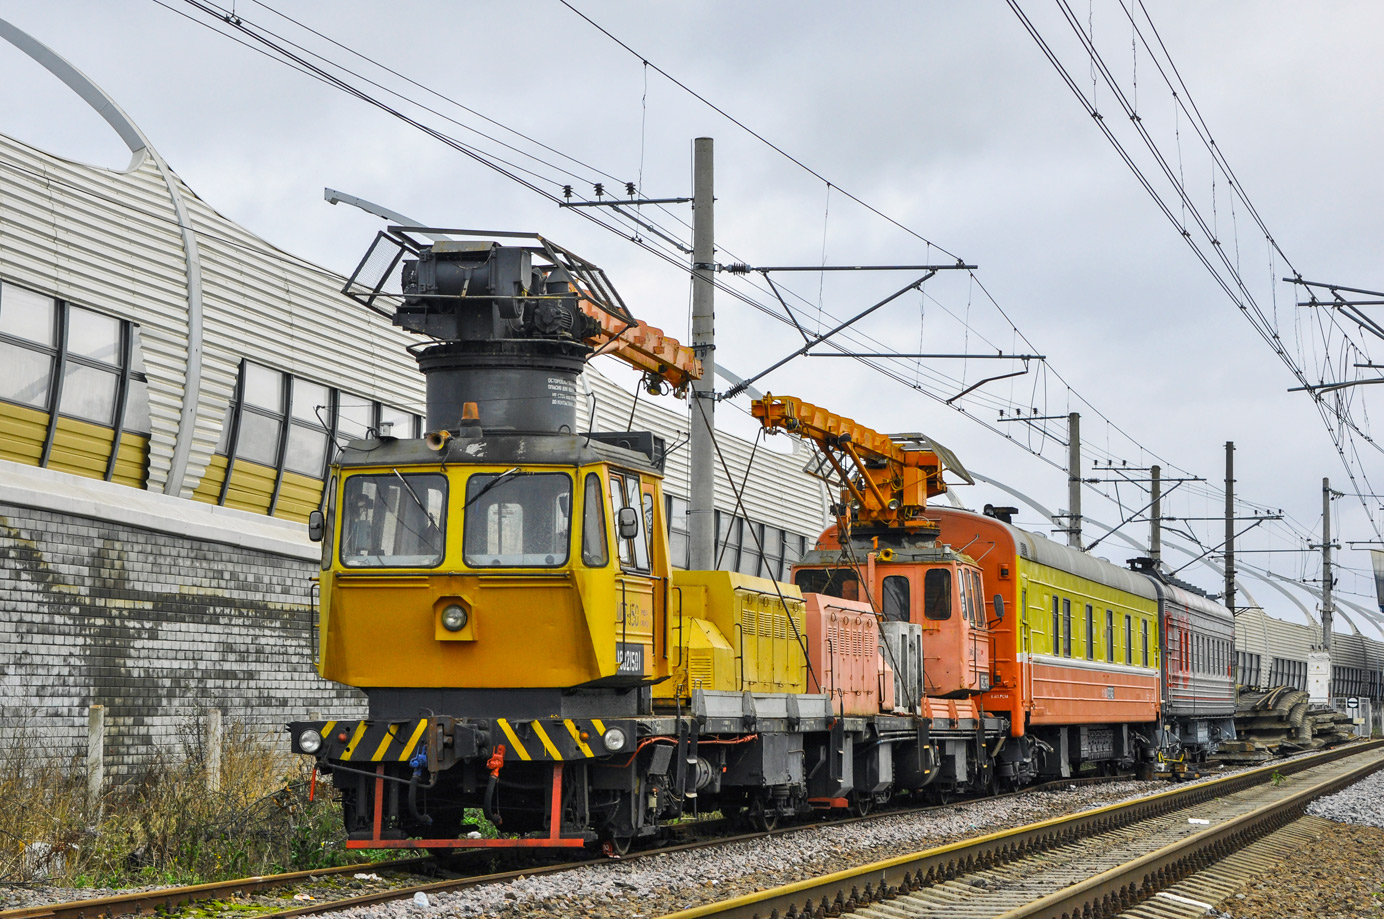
column 432, row 521
column 507, row 474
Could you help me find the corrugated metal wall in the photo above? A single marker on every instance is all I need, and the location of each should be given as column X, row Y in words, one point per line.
column 777, row 491
column 110, row 241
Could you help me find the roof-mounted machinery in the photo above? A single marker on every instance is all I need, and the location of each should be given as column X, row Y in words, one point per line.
column 510, row 326
column 886, row 479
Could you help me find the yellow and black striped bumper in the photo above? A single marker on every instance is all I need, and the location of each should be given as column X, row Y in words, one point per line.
column 525, row 740
column 365, row 741
column 558, row 739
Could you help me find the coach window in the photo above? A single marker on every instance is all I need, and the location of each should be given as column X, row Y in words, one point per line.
column 593, row 527
column 1129, row 640
column 1110, row 636
column 1066, row 627
column 1144, row 635
column 1090, row 633
column 937, row 593
column 1056, row 626
column 896, row 599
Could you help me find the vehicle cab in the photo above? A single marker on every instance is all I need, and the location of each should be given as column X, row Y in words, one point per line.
column 512, row 562
column 934, row 587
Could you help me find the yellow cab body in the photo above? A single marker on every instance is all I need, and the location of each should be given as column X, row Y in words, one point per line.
column 495, row 562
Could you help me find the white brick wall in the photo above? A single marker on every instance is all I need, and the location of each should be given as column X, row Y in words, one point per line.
column 157, row 627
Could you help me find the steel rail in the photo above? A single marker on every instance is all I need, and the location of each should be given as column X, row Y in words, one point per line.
column 1124, row 886
column 843, row 891
column 168, row 898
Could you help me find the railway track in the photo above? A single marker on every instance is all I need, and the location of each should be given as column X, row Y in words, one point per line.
column 171, row 900
column 1096, row 863
column 168, row 899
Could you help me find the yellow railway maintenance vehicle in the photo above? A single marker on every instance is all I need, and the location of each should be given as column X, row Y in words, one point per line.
column 501, row 590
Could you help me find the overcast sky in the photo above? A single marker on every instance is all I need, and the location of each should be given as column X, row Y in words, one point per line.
column 946, row 117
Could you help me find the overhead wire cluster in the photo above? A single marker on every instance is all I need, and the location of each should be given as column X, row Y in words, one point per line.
column 1334, row 347
column 543, row 169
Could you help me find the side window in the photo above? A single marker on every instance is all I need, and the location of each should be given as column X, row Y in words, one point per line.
column 329, row 527
column 617, row 501
column 896, row 598
column 593, row 528
column 978, row 596
column 1144, row 632
column 1110, row 636
column 1066, row 627
column 964, row 583
column 1056, row 626
column 937, row 594
column 1129, row 640
column 624, row 492
column 641, row 539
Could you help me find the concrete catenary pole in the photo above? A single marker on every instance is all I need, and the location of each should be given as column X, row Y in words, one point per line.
column 1229, row 599
column 702, row 500
column 1074, row 480
column 1328, row 611
column 96, row 755
column 1156, row 516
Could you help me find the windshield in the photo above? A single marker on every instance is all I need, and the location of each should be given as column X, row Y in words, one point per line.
column 393, row 520
column 517, row 520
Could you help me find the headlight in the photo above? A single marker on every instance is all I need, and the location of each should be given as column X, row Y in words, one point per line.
column 614, row 740
column 454, row 618
column 309, row 741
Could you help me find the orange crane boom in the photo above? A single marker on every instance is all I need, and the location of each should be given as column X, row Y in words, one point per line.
column 644, row 347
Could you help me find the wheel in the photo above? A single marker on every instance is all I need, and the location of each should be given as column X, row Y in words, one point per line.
column 860, row 804
column 616, row 846
column 762, row 817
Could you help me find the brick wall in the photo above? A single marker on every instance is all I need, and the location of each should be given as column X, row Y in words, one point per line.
column 155, row 624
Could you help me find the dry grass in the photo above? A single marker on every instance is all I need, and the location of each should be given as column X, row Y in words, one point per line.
column 164, row 826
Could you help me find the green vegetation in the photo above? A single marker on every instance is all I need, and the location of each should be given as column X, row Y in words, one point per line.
column 164, row 826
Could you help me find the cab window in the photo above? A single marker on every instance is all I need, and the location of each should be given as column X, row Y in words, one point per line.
column 842, row 583
column 593, row 528
column 517, row 520
column 895, row 599
column 937, row 593
column 393, row 520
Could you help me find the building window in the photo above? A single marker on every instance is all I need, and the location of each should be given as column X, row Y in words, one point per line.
column 278, row 436
column 76, row 380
